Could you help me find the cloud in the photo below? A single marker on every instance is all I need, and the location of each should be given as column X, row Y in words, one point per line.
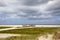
column 33, row 2
column 25, row 9
column 53, row 7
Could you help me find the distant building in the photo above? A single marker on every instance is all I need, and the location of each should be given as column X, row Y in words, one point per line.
column 28, row 25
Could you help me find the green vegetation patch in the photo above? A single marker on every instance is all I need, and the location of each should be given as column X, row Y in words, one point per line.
column 31, row 30
column 3, row 27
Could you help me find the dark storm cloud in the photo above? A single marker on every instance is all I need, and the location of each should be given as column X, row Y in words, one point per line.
column 54, row 8
column 30, row 11
column 2, row 5
column 56, row 13
column 33, row 2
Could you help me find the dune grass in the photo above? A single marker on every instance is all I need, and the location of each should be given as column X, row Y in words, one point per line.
column 3, row 27
column 36, row 30
column 33, row 32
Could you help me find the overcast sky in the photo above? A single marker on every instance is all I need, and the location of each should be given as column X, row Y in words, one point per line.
column 29, row 11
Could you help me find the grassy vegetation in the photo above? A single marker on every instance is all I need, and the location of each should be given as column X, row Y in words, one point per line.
column 20, row 38
column 31, row 30
column 3, row 27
